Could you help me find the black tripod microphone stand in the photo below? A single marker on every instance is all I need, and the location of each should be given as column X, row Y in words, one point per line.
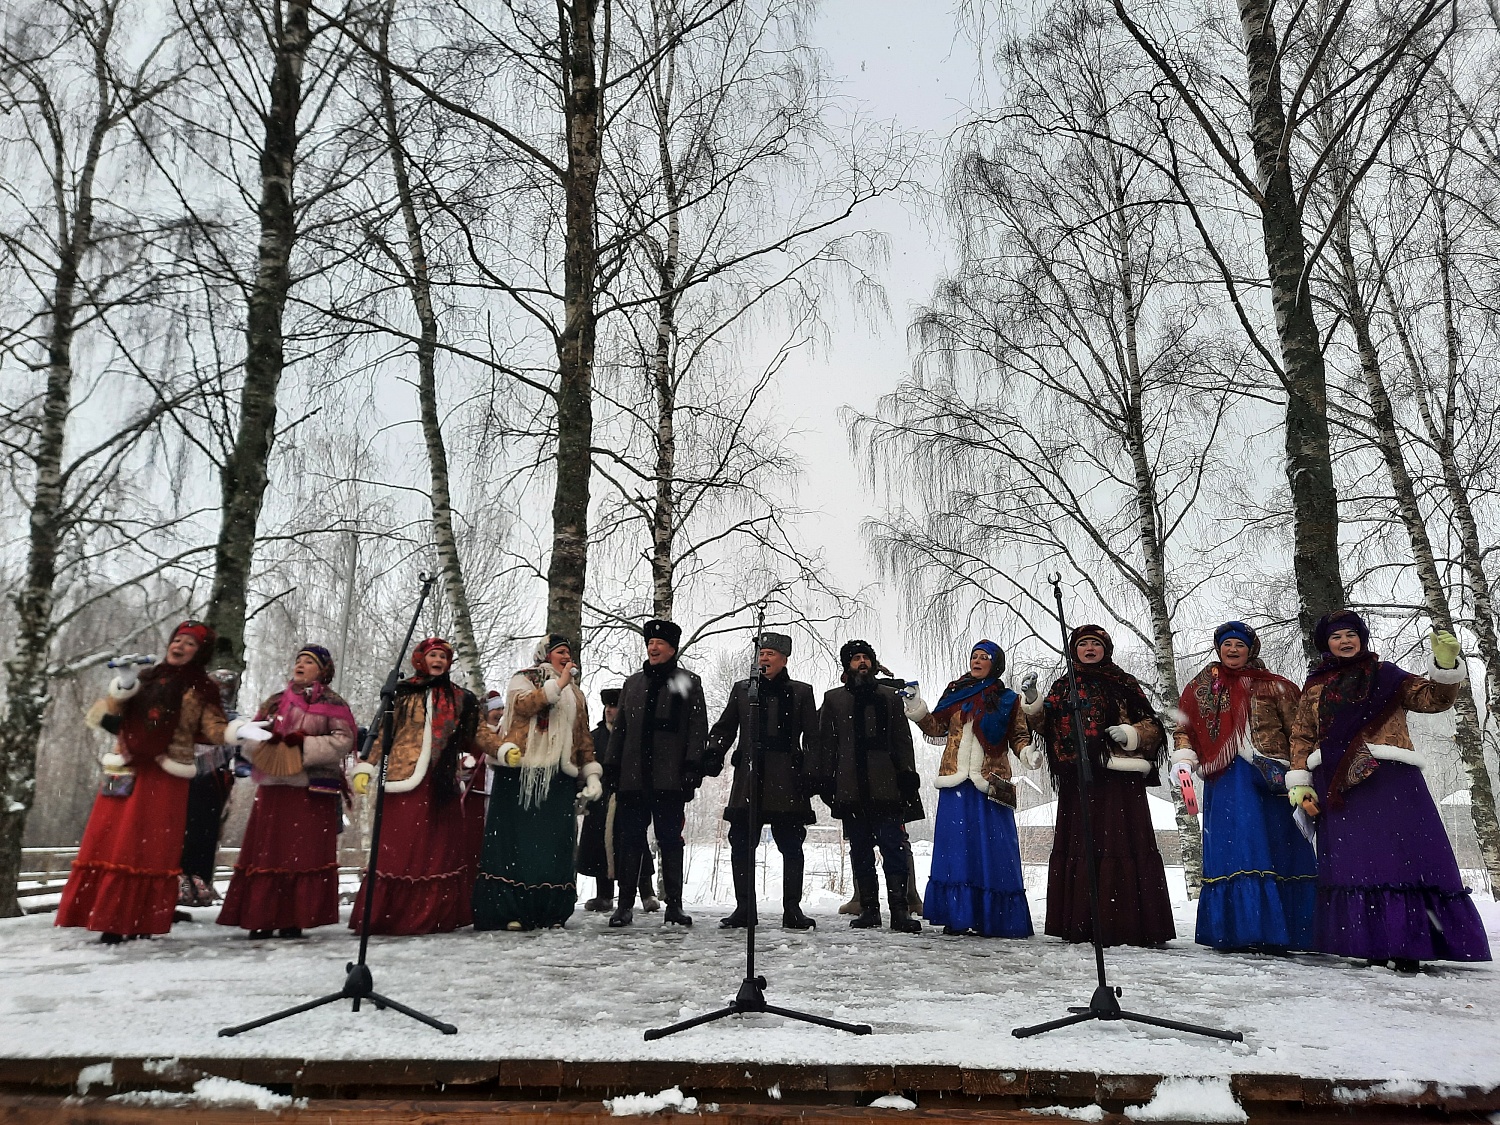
column 359, row 985
column 1105, row 1003
column 751, row 997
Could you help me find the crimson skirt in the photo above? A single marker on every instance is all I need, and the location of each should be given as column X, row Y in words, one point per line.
column 124, row 880
column 288, row 871
column 429, row 855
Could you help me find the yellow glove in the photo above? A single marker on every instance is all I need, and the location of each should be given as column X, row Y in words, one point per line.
column 361, row 783
column 1444, row 649
column 1304, row 797
column 510, row 754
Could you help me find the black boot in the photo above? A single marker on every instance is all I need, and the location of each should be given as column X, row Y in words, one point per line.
column 671, row 882
column 792, row 917
column 604, row 896
column 1406, row 966
column 650, row 904
column 901, row 921
column 744, row 893
column 869, row 904
column 626, row 867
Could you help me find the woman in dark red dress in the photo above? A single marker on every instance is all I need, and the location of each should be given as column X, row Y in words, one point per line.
column 433, row 823
column 1124, row 741
column 124, row 881
column 287, row 877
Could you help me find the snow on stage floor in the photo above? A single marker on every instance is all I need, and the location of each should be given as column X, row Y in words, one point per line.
column 587, row 993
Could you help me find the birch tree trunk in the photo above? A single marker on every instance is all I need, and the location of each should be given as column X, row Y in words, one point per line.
column 567, row 570
column 244, row 475
column 419, row 285
column 1147, row 524
column 664, row 376
column 1309, row 457
column 1468, row 736
column 26, row 688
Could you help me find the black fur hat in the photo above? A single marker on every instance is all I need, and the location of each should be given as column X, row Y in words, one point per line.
column 853, row 648
column 668, row 631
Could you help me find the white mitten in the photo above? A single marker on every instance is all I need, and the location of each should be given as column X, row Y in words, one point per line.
column 253, row 730
column 1125, row 735
column 592, row 789
column 1028, row 687
column 1035, row 753
column 916, row 707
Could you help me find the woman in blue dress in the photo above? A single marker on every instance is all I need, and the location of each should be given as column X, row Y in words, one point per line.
column 1234, row 728
column 975, row 884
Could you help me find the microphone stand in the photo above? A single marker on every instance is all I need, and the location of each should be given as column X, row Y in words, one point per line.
column 751, row 997
column 359, row 984
column 1104, row 1004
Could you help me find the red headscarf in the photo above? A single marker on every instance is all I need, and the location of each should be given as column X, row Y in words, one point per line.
column 1216, row 704
column 419, row 654
column 149, row 718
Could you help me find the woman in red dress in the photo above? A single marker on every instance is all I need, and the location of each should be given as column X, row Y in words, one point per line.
column 433, row 822
column 287, row 877
column 124, row 881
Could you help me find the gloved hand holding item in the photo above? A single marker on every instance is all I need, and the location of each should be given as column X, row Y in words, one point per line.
column 510, row 754
column 1304, row 797
column 1028, row 687
column 361, row 783
column 1444, row 648
column 592, row 789
column 254, row 730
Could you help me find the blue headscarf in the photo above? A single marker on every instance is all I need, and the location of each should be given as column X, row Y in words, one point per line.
column 1237, row 631
column 967, row 694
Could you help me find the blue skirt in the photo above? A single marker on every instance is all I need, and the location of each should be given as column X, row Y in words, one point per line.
column 976, row 882
column 1259, row 874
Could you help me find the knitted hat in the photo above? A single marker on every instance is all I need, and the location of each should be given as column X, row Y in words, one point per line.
column 1099, row 633
column 776, row 642
column 550, row 644
column 1236, row 631
column 419, row 654
column 324, row 659
column 657, row 629
column 201, row 633
column 852, row 649
column 1331, row 623
column 995, row 652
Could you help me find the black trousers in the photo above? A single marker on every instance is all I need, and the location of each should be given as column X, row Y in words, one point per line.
column 789, row 840
column 864, row 833
column 664, row 813
column 205, row 811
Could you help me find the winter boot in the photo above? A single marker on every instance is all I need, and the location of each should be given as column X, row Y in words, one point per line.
column 901, row 921
column 671, row 883
column 869, row 902
column 852, row 906
column 792, row 917
column 913, row 899
column 744, row 894
column 626, row 866
column 650, row 904
column 604, row 896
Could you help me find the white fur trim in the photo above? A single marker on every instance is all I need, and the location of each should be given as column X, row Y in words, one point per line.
column 1132, row 738
column 362, row 767
column 1034, row 708
column 1298, row 777
column 591, row 769
column 970, row 764
column 113, row 762
column 177, row 769
column 1128, row 765
column 117, row 692
column 424, row 759
column 1397, row 754
column 916, row 708
column 1185, row 755
column 1315, row 759
column 1447, row 675
column 1179, row 717
column 232, row 730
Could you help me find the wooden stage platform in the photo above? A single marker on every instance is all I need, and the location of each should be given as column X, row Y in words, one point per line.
column 554, row 1092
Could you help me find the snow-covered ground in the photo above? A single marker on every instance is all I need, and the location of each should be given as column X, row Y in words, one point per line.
column 588, row 992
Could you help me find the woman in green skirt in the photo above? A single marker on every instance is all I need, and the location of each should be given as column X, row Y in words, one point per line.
column 526, row 877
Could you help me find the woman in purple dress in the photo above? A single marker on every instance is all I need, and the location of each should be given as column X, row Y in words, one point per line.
column 1388, row 885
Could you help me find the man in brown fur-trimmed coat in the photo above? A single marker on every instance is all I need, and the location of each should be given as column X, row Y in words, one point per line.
column 788, row 732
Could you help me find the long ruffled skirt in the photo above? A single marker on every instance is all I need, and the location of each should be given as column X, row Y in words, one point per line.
column 124, row 880
column 288, row 871
column 1259, row 873
column 976, row 882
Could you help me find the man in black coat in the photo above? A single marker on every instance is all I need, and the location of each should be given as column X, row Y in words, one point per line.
column 866, row 772
column 655, row 763
column 788, row 730
column 596, row 850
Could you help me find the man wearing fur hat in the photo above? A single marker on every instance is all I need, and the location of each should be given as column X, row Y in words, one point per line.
column 655, row 763
column 788, row 732
column 866, row 772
